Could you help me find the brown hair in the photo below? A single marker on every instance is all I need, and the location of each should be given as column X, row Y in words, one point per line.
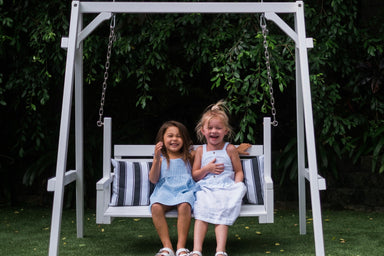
column 218, row 110
column 187, row 142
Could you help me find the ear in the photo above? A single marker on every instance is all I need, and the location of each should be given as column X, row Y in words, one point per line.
column 202, row 130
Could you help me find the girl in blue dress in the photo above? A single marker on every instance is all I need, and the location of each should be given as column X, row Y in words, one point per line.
column 219, row 175
column 175, row 188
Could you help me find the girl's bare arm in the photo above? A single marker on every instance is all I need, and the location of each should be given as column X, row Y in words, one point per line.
column 154, row 173
column 199, row 172
column 236, row 163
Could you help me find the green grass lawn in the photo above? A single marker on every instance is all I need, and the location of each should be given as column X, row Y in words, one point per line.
column 26, row 232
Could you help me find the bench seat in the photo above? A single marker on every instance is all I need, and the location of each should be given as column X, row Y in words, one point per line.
column 247, row 210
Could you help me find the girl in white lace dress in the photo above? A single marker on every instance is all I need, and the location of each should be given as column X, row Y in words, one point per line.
column 219, row 175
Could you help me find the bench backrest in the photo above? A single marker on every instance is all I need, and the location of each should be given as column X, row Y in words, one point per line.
column 139, row 152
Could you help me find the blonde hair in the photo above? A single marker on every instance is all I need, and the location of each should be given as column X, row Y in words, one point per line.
column 218, row 110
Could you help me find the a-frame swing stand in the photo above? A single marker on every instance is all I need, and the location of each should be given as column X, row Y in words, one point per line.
column 74, row 81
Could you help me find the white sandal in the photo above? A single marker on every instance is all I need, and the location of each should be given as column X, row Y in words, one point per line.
column 195, row 252
column 221, row 253
column 168, row 252
column 179, row 251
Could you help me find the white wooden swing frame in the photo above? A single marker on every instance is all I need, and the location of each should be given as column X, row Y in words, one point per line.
column 73, row 85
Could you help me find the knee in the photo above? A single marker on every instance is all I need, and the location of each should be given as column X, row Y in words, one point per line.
column 157, row 209
column 184, row 208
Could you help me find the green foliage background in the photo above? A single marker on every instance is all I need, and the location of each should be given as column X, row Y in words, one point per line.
column 171, row 67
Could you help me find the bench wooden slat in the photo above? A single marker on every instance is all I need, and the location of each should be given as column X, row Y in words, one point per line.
column 144, row 212
column 146, row 151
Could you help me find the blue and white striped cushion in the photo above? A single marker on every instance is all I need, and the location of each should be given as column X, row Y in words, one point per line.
column 253, row 178
column 131, row 184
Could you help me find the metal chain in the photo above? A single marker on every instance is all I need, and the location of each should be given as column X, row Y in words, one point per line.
column 264, row 30
column 112, row 38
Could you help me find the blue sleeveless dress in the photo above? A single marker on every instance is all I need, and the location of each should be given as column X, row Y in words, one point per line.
column 175, row 185
column 219, row 198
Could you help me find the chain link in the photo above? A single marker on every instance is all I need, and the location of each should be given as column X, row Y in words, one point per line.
column 112, row 38
column 264, row 30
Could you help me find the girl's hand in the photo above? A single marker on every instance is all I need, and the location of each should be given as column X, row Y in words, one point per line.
column 214, row 168
column 154, row 173
column 158, row 148
column 242, row 148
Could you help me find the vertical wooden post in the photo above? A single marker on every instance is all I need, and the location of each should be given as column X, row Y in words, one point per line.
column 309, row 130
column 79, row 135
column 62, row 153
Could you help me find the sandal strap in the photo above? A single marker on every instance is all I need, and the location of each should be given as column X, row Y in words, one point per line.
column 169, row 252
column 221, row 253
column 179, row 251
column 195, row 252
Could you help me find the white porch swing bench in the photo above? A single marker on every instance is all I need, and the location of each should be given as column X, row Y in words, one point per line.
column 256, row 166
column 139, row 154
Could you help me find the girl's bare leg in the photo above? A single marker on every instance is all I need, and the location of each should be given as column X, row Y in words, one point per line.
column 221, row 232
column 161, row 225
column 183, row 224
column 200, row 230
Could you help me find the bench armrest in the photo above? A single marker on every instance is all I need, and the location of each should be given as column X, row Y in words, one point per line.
column 104, row 182
column 268, row 182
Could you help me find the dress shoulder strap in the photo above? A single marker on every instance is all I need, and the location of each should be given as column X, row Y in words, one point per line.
column 225, row 146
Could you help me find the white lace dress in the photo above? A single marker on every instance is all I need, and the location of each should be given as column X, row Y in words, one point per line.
column 219, row 198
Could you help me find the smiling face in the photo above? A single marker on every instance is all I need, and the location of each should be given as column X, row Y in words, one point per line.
column 173, row 141
column 214, row 132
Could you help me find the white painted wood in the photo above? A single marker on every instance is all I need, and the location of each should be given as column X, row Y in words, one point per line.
column 300, row 148
column 92, row 26
column 64, row 42
column 58, row 196
column 187, row 7
column 104, row 186
column 309, row 132
column 79, row 134
column 69, row 176
column 147, row 151
column 107, row 146
column 144, row 212
column 281, row 23
column 320, row 180
column 268, row 184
